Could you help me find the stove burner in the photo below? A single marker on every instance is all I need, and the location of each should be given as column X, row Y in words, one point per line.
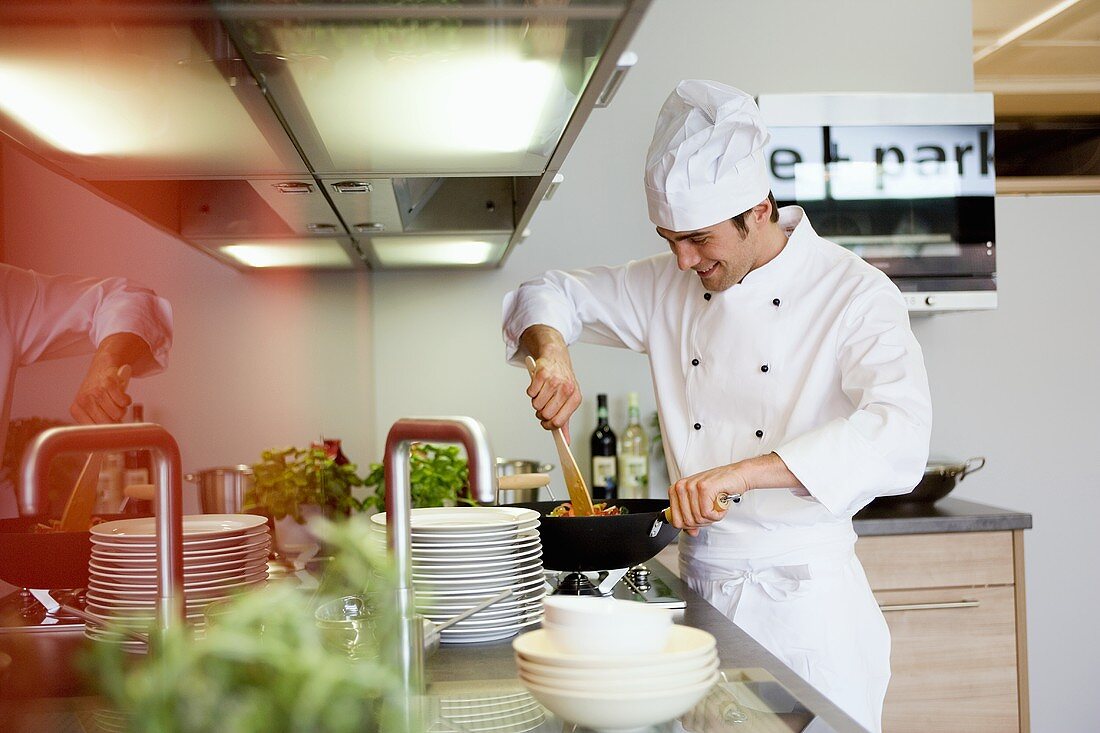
column 577, row 584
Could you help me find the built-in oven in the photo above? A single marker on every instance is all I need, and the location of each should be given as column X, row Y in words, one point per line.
column 906, row 181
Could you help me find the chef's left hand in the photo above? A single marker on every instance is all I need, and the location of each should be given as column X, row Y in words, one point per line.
column 694, row 499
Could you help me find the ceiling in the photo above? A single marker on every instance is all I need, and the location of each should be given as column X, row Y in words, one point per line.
column 1038, row 57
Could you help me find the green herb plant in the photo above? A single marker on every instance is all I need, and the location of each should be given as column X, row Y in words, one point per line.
column 437, row 475
column 264, row 664
column 285, row 480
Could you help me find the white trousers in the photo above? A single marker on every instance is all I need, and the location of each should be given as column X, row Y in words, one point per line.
column 807, row 602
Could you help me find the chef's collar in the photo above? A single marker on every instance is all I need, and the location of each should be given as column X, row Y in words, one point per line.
column 778, row 270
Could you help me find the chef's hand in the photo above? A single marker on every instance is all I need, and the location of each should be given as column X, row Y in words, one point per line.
column 554, row 391
column 102, row 396
column 694, row 499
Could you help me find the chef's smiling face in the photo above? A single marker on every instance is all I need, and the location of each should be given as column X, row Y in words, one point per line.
column 720, row 254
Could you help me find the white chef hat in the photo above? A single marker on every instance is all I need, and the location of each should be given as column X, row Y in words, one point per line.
column 706, row 162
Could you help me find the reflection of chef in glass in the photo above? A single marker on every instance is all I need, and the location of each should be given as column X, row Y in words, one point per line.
column 785, row 370
column 128, row 329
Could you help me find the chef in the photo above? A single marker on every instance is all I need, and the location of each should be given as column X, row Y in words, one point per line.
column 128, row 329
column 786, row 373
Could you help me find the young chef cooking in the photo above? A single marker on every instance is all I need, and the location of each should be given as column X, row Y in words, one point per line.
column 45, row 317
column 785, row 371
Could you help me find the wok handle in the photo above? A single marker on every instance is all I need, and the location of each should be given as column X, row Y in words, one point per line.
column 979, row 463
column 723, row 501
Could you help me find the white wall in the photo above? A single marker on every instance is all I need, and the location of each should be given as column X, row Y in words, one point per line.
column 1016, row 385
column 258, row 360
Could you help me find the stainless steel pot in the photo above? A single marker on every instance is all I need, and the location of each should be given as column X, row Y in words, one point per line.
column 940, row 477
column 222, row 489
column 515, row 466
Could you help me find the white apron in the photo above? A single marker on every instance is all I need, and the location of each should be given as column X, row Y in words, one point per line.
column 802, row 594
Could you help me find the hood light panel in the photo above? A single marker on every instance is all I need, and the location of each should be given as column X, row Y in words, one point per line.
column 414, row 251
column 288, row 253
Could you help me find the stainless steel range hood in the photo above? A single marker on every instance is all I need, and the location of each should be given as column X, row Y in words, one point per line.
column 331, row 135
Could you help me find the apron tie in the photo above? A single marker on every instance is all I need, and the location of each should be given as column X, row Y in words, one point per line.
column 780, row 583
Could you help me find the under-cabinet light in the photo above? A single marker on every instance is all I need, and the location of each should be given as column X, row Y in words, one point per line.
column 322, row 253
column 413, row 251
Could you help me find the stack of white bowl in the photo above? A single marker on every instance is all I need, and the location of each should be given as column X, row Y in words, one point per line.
column 609, row 664
column 464, row 555
column 223, row 554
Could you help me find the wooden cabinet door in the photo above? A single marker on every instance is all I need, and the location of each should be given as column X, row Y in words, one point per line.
column 953, row 659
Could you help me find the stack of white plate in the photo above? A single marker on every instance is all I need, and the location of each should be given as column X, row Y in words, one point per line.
column 223, row 554
column 464, row 555
column 619, row 692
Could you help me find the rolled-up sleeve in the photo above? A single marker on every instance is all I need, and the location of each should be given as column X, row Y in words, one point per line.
column 63, row 315
column 602, row 305
column 882, row 447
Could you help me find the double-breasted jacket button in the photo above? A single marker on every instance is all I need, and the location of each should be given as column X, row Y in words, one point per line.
column 760, row 433
column 697, row 426
column 764, row 367
column 706, row 296
column 775, row 302
column 695, row 362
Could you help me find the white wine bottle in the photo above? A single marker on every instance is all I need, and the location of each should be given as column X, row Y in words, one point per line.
column 633, row 455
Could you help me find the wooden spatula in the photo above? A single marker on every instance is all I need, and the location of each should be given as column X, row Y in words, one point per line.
column 574, row 482
column 77, row 516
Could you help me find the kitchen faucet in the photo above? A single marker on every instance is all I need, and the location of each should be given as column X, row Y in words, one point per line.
column 168, row 506
column 483, row 487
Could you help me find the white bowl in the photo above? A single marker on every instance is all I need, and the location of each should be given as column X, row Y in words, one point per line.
column 587, row 610
column 625, row 682
column 622, row 711
column 653, row 671
column 684, row 643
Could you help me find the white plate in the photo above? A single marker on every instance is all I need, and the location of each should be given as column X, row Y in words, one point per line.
column 149, row 582
column 474, row 636
column 460, row 519
column 111, row 544
column 466, row 551
column 195, row 526
column 195, row 566
column 475, row 542
column 532, row 596
column 189, row 592
column 462, row 595
column 472, row 581
column 449, row 538
column 193, row 606
column 530, row 565
column 530, row 614
column 111, row 554
column 462, row 564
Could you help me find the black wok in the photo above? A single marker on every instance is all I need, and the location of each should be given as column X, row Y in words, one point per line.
column 940, row 477
column 48, row 560
column 602, row 543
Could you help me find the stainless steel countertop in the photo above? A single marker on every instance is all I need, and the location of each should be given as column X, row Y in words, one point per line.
column 736, row 649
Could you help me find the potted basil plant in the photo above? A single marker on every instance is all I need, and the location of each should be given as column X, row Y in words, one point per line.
column 292, row 485
column 438, row 476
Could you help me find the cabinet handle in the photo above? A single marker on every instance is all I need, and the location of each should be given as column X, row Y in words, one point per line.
column 884, row 607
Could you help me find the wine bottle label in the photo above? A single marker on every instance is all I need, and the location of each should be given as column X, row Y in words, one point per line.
column 603, row 471
column 633, row 476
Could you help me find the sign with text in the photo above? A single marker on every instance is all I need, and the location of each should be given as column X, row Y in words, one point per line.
column 881, row 162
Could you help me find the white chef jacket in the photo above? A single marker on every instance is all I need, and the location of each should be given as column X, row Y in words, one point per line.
column 810, row 356
column 51, row 316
